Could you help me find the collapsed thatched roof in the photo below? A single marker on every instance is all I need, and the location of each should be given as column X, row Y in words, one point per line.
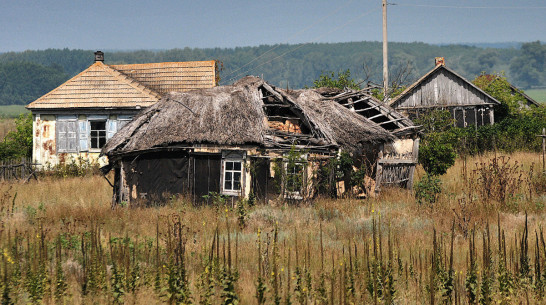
column 235, row 115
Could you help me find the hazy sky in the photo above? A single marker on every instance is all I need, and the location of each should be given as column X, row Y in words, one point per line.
column 164, row 24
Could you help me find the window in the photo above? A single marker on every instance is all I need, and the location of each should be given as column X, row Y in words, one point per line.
column 97, row 134
column 233, row 170
column 67, row 135
column 294, row 180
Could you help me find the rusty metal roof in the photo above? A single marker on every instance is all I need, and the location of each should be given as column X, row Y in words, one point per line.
column 123, row 86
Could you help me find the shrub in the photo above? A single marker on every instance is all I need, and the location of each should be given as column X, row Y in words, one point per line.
column 428, row 189
column 18, row 143
column 436, row 151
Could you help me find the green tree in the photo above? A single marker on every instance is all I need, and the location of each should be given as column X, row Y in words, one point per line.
column 18, row 143
column 436, row 150
column 342, row 81
column 498, row 87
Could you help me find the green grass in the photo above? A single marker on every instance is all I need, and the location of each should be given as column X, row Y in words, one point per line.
column 12, row 111
column 538, row 95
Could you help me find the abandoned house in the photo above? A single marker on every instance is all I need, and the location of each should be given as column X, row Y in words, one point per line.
column 442, row 88
column 398, row 159
column 242, row 139
column 75, row 120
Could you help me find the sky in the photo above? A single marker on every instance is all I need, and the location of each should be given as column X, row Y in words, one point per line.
column 167, row 24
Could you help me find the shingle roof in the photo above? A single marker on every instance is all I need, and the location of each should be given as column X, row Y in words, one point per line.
column 103, row 85
column 172, row 76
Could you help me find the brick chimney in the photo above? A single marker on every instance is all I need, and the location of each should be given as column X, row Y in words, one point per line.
column 99, row 56
column 439, row 61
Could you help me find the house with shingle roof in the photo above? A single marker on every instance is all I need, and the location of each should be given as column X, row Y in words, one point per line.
column 76, row 119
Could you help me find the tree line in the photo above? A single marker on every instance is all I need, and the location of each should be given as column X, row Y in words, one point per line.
column 25, row 76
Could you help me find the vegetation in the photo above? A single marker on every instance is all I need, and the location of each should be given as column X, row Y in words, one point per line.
column 18, row 143
column 25, row 76
column 63, row 243
column 342, row 81
column 23, row 82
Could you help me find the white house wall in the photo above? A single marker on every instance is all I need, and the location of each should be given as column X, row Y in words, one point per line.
column 45, row 149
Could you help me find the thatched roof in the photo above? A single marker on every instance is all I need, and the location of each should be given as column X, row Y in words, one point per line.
column 234, row 115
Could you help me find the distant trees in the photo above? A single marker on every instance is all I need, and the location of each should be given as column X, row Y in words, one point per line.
column 528, row 69
column 25, row 76
column 23, row 82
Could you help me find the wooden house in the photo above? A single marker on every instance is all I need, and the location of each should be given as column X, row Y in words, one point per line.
column 235, row 140
column 442, row 88
column 75, row 120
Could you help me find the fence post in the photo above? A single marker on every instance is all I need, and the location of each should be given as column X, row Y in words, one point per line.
column 543, row 146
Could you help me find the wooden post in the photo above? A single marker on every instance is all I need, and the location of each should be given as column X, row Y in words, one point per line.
column 385, row 53
column 543, row 146
column 415, row 153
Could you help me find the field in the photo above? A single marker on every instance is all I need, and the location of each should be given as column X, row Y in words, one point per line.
column 12, row 111
column 538, row 95
column 481, row 240
column 6, row 125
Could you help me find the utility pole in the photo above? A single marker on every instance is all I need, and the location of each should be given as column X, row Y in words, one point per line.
column 385, row 53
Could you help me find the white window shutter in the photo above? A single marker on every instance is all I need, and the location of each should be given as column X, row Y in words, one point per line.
column 61, row 136
column 72, row 136
column 111, row 128
column 84, row 135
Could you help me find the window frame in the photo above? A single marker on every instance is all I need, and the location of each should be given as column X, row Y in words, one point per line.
column 303, row 163
column 227, row 157
column 91, row 121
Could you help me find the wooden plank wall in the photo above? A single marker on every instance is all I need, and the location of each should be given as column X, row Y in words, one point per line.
column 392, row 171
column 443, row 88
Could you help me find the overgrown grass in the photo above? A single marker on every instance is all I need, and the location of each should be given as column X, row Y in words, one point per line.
column 62, row 241
column 12, row 111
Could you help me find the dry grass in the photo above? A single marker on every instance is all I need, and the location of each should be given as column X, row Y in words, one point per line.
column 76, row 206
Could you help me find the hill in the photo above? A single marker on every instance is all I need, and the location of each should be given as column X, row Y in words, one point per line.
column 293, row 66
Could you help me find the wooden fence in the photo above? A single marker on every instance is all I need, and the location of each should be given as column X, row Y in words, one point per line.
column 18, row 169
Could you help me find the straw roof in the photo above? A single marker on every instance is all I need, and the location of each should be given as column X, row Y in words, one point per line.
column 127, row 86
column 234, row 115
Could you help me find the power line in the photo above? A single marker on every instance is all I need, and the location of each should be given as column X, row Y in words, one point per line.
column 291, row 37
column 472, row 7
column 304, row 44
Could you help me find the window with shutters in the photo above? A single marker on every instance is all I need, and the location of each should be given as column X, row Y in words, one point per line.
column 97, row 134
column 67, row 135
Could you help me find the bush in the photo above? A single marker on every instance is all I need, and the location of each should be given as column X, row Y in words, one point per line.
column 18, row 143
column 436, row 151
column 428, row 189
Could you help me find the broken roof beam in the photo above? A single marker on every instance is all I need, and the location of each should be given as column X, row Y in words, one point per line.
column 272, row 92
column 391, row 121
column 355, row 102
column 280, row 117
